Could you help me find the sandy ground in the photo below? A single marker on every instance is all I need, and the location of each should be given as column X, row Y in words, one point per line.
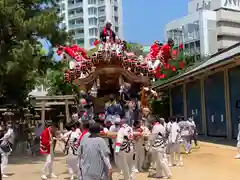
column 210, row 162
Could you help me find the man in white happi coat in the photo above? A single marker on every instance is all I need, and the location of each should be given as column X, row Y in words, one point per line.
column 158, row 146
column 70, row 139
column 140, row 145
column 124, row 151
column 115, row 128
column 238, row 141
column 174, row 140
column 6, row 148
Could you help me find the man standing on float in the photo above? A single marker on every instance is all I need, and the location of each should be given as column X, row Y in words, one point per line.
column 107, row 32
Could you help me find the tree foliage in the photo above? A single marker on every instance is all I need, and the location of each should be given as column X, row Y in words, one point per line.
column 54, row 81
column 22, row 22
column 135, row 48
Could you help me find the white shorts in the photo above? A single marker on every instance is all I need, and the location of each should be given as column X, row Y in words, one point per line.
column 238, row 144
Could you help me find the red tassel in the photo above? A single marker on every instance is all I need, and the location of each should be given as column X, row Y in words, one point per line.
column 59, row 52
column 182, row 64
column 174, row 68
column 96, row 42
column 181, row 46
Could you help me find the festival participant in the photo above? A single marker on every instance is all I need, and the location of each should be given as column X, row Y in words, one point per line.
column 85, row 131
column 158, row 146
column 6, row 148
column 154, row 49
column 140, row 145
column 146, row 116
column 47, row 145
column 94, row 156
column 71, row 147
column 238, row 141
column 77, row 128
column 115, row 128
column 174, row 139
column 186, row 134
column 124, row 151
column 194, row 131
column 108, row 33
column 165, row 52
column 113, row 109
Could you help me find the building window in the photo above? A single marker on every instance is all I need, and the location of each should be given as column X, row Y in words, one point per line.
column 102, row 10
column 92, row 21
column 116, row 19
column 79, row 10
column 71, row 2
column 80, row 41
column 79, row 1
column 115, row 8
column 228, row 24
column 92, row 2
column 93, row 32
column 100, row 2
column 92, row 11
column 79, row 21
column 116, row 29
column 80, row 31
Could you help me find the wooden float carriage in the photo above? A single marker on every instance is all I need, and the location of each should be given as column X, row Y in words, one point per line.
column 105, row 71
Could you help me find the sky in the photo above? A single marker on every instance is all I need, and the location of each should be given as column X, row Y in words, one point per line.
column 144, row 20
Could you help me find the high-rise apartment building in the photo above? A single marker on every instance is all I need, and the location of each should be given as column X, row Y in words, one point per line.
column 86, row 18
column 210, row 26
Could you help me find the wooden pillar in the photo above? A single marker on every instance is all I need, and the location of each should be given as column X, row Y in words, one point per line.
column 185, row 100
column 67, row 111
column 170, row 102
column 227, row 104
column 43, row 113
column 61, row 125
column 203, row 103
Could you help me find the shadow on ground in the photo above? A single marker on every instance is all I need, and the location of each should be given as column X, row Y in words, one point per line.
column 218, row 140
column 18, row 159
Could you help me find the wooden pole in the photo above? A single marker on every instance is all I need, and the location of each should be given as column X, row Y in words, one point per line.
column 67, row 111
column 43, row 113
column 227, row 104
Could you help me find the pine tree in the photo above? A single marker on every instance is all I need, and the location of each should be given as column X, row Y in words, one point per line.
column 22, row 22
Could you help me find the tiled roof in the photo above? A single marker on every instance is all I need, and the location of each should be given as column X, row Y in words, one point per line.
column 220, row 56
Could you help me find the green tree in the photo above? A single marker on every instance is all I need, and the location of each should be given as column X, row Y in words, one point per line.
column 22, row 22
column 54, row 81
column 135, row 48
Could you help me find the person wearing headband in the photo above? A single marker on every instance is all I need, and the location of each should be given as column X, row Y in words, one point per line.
column 108, row 33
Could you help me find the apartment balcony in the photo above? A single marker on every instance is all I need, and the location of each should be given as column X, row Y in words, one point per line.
column 101, row 24
column 92, row 16
column 75, row 26
column 101, row 3
column 101, row 14
column 229, row 31
column 92, row 26
column 74, row 6
column 78, row 36
column 115, row 3
column 74, row 16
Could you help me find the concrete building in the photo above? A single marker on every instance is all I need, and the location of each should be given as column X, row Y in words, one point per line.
column 86, row 18
column 210, row 26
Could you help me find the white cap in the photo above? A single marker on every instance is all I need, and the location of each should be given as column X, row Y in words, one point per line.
column 162, row 120
column 117, row 120
column 108, row 22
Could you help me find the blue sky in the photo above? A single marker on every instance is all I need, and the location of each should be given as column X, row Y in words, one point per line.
column 144, row 20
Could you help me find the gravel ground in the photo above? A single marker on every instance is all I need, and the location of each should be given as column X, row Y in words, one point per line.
column 210, row 162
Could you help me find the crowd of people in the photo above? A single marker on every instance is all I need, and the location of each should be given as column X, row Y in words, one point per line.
column 91, row 147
